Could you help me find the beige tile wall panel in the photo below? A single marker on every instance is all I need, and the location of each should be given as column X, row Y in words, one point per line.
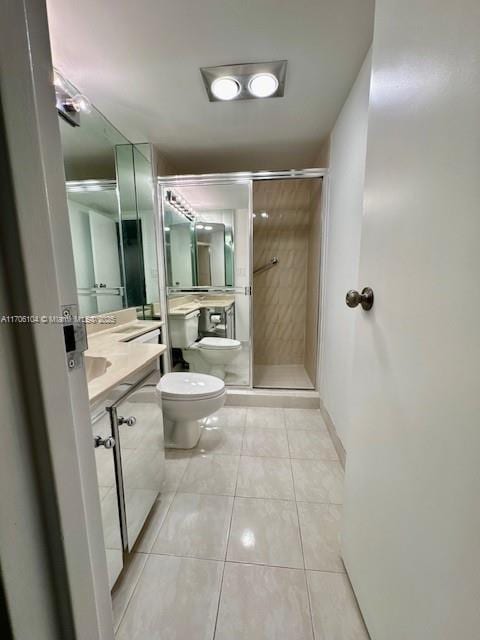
column 283, row 333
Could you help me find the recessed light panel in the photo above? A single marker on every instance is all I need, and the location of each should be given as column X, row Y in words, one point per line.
column 249, row 81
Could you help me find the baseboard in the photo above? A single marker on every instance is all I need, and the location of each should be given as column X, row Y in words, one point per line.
column 337, row 443
column 283, row 398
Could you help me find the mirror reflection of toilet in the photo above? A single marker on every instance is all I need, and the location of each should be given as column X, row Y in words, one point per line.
column 208, row 355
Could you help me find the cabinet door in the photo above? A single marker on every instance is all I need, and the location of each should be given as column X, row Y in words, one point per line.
column 107, row 487
column 140, row 434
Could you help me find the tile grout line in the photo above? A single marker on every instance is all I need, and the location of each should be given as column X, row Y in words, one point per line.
column 301, row 544
column 228, row 538
column 149, row 553
column 131, row 596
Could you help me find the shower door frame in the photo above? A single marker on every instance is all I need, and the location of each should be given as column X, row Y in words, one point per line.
column 245, row 177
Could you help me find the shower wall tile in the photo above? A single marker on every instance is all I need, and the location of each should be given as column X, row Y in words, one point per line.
column 281, row 295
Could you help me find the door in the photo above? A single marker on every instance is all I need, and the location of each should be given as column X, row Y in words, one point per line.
column 139, row 422
column 108, row 494
column 207, row 233
column 412, row 516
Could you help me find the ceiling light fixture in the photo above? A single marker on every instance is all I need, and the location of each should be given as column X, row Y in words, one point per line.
column 263, row 85
column 246, row 81
column 225, row 88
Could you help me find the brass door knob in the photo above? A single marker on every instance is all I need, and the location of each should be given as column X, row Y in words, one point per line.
column 353, row 298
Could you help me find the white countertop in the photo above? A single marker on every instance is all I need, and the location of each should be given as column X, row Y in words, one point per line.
column 125, row 358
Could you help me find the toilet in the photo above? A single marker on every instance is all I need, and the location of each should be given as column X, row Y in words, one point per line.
column 208, row 355
column 186, row 398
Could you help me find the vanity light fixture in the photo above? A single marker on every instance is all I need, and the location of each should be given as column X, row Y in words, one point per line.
column 59, row 80
column 248, row 81
column 208, row 228
column 200, row 226
column 264, row 214
column 69, row 102
column 180, row 204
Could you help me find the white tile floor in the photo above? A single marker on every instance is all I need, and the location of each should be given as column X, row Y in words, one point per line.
column 281, row 376
column 244, row 542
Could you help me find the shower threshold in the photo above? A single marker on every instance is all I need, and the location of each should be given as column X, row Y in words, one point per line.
column 281, row 376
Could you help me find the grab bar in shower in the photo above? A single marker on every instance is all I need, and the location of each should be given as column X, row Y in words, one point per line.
column 271, row 264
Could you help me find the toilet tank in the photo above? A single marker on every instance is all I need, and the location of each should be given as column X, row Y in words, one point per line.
column 183, row 329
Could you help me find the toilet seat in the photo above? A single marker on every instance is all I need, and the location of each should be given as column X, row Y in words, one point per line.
column 185, row 386
column 218, row 343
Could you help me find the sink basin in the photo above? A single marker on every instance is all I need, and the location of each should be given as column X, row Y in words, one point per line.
column 95, row 366
column 126, row 329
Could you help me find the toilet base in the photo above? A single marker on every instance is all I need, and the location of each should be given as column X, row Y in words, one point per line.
column 182, row 434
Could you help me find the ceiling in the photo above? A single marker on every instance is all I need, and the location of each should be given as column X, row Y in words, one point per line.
column 139, row 64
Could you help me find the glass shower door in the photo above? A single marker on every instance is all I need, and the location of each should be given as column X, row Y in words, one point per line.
column 207, row 247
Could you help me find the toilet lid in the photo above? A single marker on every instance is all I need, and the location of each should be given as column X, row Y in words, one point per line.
column 218, row 343
column 192, row 386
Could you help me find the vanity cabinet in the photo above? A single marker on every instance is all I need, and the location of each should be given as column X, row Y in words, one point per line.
column 107, row 488
column 130, row 459
column 137, row 425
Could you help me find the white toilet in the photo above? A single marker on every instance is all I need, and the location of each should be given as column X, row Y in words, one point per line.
column 208, row 355
column 186, row 398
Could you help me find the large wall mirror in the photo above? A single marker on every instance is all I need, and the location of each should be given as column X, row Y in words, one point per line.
column 110, row 195
column 199, row 237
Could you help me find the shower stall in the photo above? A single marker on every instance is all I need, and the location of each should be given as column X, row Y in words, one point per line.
column 286, row 272
column 243, row 252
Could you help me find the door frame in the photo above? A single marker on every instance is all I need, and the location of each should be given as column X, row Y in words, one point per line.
column 203, row 180
column 252, row 176
column 54, row 570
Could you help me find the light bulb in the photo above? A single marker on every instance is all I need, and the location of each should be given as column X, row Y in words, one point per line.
column 225, row 88
column 263, row 85
column 82, row 103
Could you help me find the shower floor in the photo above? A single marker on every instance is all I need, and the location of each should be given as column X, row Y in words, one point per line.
column 281, row 376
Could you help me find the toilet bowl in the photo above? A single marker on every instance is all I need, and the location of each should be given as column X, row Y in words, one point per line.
column 208, row 355
column 186, row 398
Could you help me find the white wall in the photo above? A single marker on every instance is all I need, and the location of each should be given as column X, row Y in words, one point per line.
column 348, row 143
